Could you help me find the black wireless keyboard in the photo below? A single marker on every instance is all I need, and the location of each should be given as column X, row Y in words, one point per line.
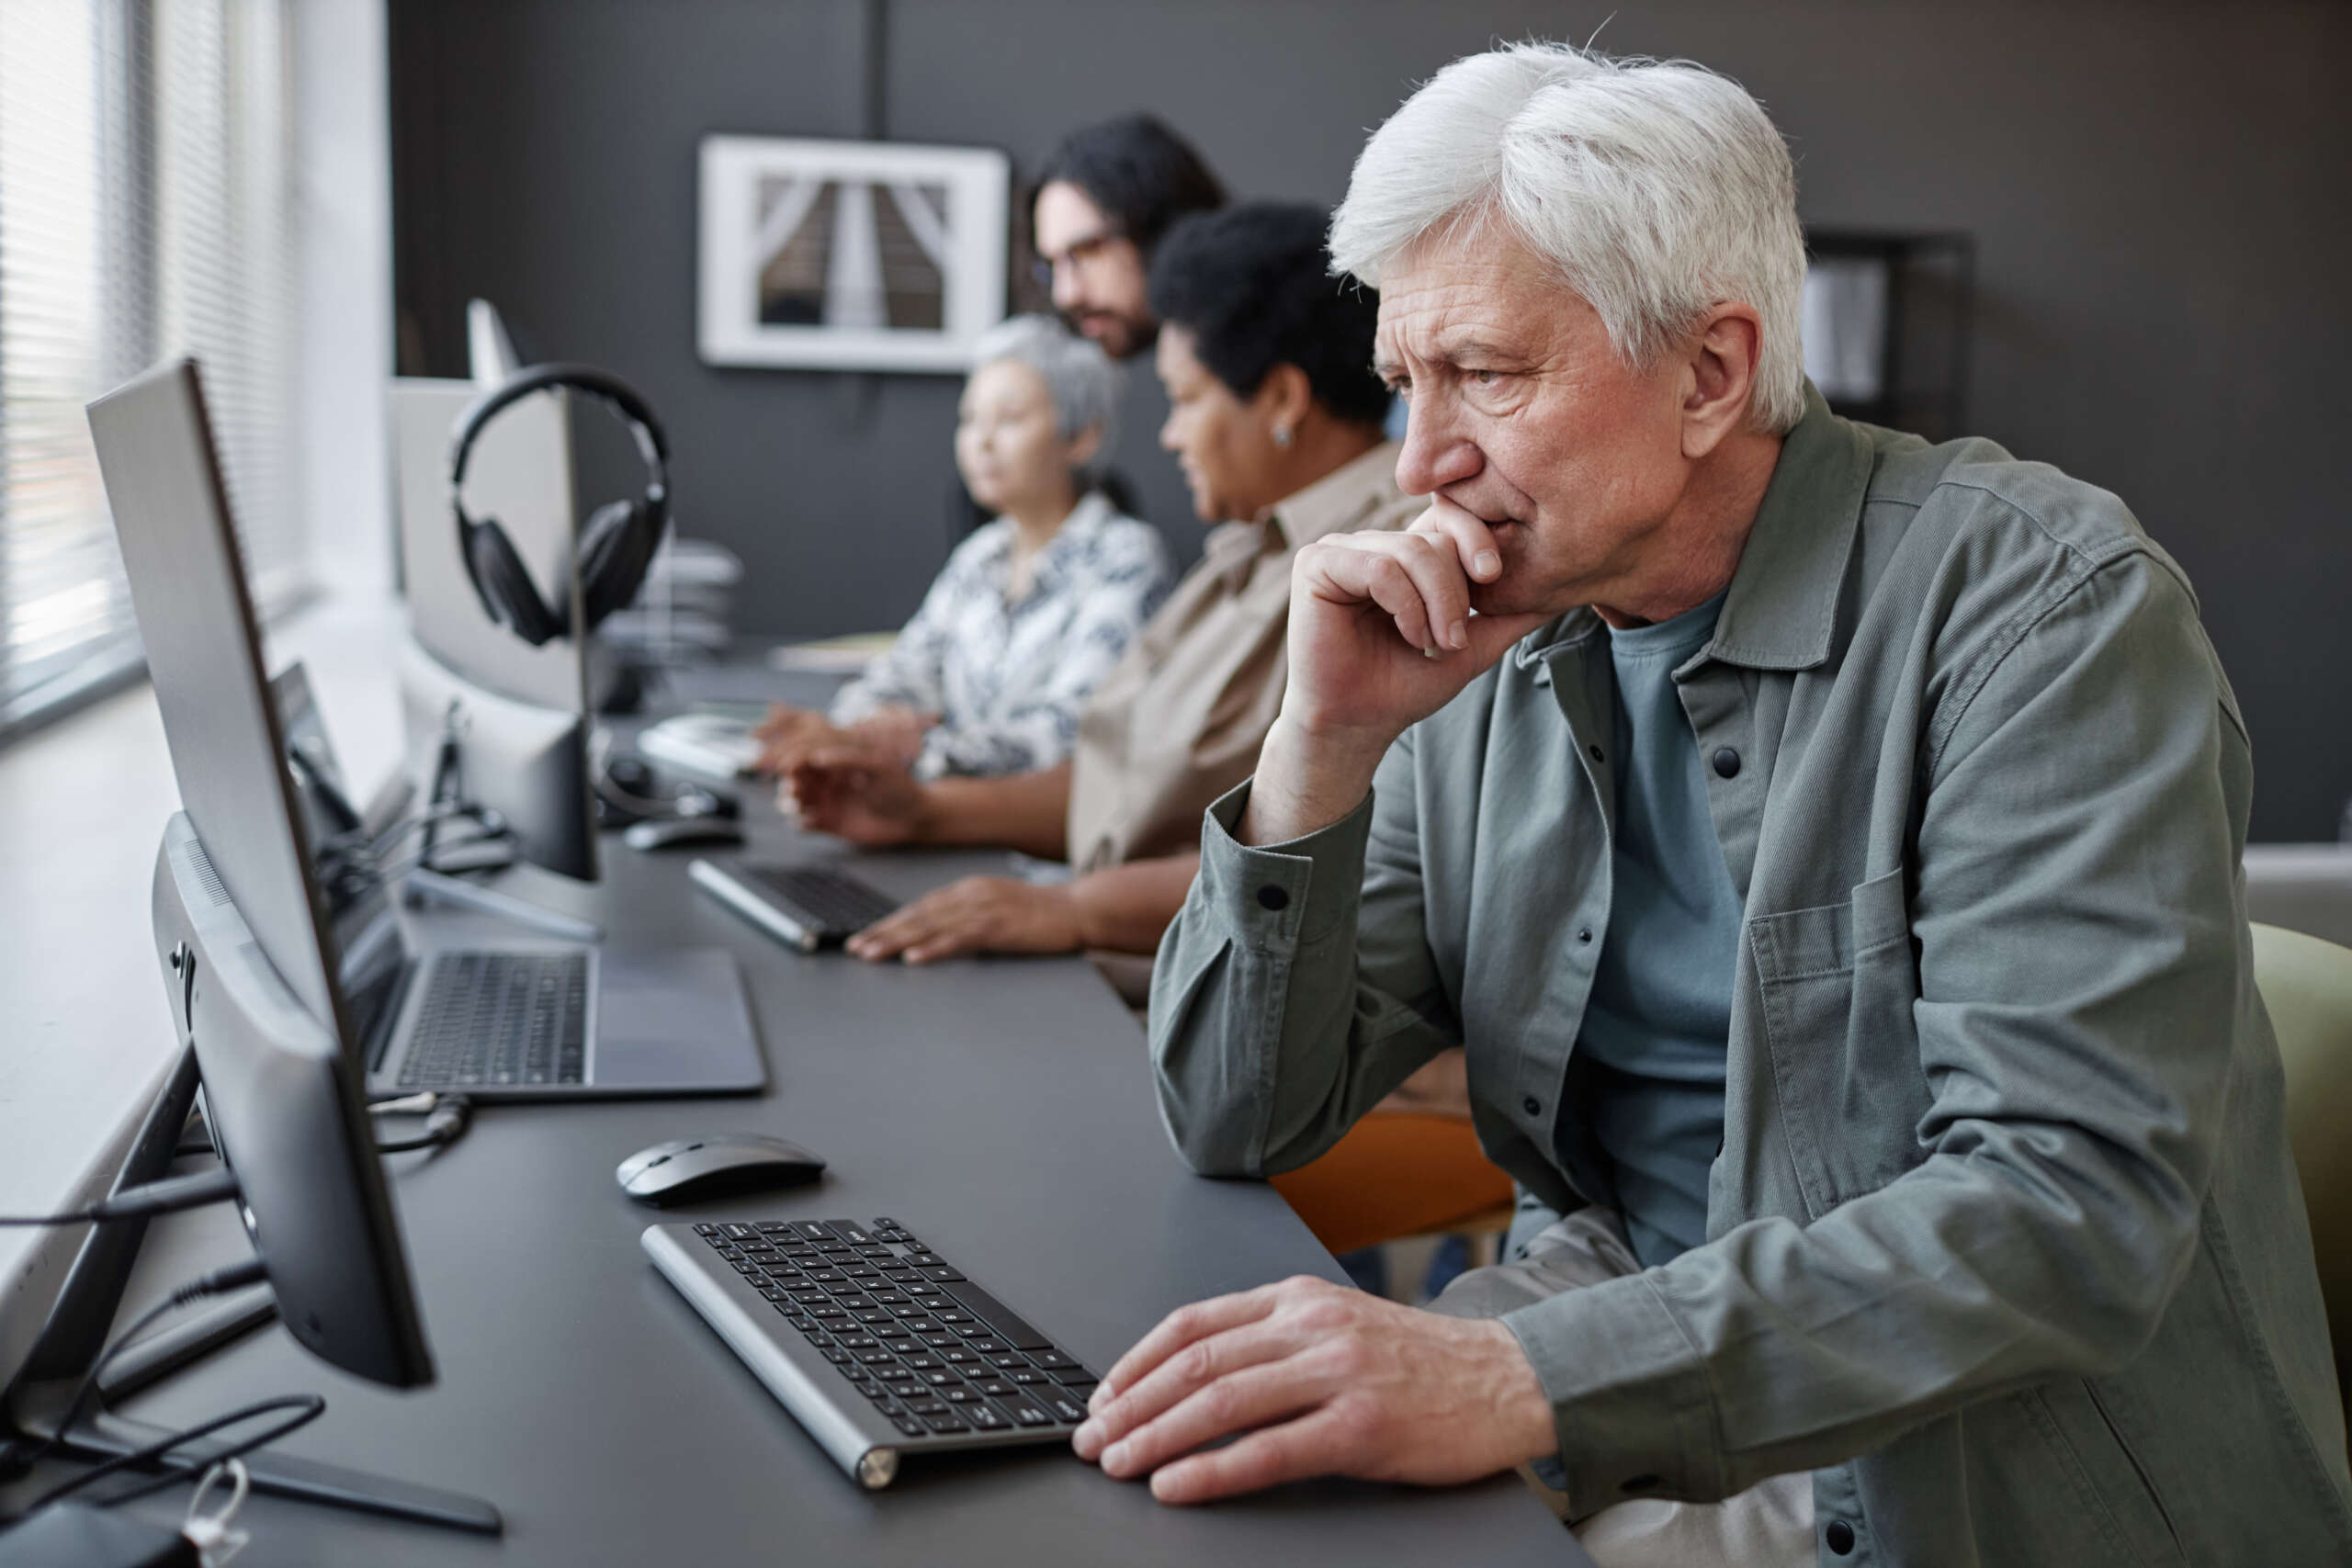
column 807, row 907
column 876, row 1343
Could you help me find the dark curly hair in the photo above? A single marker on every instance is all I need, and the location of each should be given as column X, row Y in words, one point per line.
column 1143, row 176
column 1253, row 286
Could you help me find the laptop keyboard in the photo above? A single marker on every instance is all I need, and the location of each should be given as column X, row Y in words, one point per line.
column 500, row 1018
column 836, row 904
column 908, row 1333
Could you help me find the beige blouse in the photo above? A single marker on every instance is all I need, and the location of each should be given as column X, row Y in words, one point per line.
column 1180, row 719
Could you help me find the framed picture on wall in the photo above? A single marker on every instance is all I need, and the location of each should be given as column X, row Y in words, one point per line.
column 849, row 256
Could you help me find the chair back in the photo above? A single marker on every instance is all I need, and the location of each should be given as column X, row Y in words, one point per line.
column 2306, row 985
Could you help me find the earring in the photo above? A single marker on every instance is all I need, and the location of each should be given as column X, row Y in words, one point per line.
column 1282, row 435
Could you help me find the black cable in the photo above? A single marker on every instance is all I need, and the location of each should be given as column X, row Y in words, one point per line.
column 164, row 1197
column 444, row 1124
column 308, row 1408
column 220, row 1281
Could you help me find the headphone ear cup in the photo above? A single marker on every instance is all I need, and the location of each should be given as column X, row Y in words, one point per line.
column 504, row 584
column 615, row 551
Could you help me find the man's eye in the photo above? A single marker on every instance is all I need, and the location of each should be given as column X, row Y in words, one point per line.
column 1486, row 377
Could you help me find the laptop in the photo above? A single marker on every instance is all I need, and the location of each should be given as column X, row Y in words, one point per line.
column 531, row 1021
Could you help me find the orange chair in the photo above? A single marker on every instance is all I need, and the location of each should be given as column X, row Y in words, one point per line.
column 1398, row 1173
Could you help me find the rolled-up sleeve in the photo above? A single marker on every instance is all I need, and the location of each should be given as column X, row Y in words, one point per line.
column 1270, row 1034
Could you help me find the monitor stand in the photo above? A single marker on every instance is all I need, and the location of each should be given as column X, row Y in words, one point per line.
column 421, row 885
column 76, row 1332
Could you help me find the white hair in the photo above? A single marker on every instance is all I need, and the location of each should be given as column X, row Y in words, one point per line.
column 1657, row 190
column 1083, row 381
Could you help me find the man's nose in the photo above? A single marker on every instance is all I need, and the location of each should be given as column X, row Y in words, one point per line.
column 1435, row 454
column 1067, row 295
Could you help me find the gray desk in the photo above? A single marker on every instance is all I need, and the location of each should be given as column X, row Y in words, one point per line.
column 1001, row 1108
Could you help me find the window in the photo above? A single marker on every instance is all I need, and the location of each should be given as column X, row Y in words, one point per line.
column 144, row 213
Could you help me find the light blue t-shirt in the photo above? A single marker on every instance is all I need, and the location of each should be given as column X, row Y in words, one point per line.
column 1649, row 1069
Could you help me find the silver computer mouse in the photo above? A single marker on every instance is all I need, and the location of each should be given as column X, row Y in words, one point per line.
column 714, row 1166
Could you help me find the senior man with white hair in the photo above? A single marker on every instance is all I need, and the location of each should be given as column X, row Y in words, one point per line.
column 1825, row 846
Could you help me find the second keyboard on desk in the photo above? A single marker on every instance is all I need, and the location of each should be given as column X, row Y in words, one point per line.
column 879, row 1346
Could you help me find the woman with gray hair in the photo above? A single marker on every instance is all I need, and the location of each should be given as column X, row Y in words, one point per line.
column 1033, row 609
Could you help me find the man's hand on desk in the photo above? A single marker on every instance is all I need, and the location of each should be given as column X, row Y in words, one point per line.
column 980, row 914
column 1324, row 1381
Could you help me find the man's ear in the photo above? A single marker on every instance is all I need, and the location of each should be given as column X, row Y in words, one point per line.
column 1719, row 376
column 1285, row 398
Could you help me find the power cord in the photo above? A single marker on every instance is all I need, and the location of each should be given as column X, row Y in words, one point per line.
column 307, row 1408
column 166, row 1197
column 446, row 1117
column 235, row 1277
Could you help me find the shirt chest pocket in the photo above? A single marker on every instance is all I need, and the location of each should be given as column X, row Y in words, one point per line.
column 1838, row 983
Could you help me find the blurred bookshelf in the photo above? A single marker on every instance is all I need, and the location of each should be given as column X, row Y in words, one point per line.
column 1886, row 324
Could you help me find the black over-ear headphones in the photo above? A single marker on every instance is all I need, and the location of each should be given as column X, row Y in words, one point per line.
column 615, row 545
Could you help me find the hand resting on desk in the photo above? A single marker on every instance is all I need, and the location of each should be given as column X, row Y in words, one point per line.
column 788, row 736
column 979, row 914
column 1324, row 1381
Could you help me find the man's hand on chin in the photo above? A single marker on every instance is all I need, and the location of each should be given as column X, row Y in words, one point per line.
column 1324, row 1381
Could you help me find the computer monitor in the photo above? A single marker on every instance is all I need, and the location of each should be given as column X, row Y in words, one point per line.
column 241, row 927
column 514, row 720
column 490, row 347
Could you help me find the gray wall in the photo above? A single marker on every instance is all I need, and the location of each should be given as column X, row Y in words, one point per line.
column 2159, row 194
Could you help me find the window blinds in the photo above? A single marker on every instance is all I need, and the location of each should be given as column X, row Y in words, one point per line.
column 144, row 213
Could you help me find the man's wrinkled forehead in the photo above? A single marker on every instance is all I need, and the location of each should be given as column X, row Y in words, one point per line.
column 1467, row 297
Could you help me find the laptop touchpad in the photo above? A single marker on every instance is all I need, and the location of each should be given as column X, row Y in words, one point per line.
column 675, row 1019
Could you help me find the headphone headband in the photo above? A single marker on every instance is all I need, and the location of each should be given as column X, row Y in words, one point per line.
column 600, row 384
column 613, row 549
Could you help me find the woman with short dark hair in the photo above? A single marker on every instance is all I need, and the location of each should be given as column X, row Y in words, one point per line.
column 1275, row 420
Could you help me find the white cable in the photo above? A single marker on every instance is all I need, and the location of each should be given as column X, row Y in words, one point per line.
column 214, row 1541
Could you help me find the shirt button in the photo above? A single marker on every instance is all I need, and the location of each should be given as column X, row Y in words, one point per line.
column 1584, row 933
column 1532, row 1105
column 1727, row 764
column 1272, row 898
column 1840, row 1537
column 1595, row 750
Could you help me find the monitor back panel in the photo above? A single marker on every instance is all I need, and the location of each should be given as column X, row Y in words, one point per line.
column 187, row 587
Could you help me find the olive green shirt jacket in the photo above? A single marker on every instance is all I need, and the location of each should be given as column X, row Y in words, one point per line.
column 2004, row 1242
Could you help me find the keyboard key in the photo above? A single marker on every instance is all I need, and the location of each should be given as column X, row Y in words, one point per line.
column 957, row 1396
column 994, row 1386
column 1062, row 1404
column 706, row 1229
column 1025, row 1413
column 1026, row 1376
column 923, row 1364
column 1053, row 1361
column 1075, row 1375
column 941, row 1273
column 943, row 1378
column 908, row 1426
column 812, row 1230
column 986, row 1346
column 986, row 1418
column 739, row 1232
column 1008, row 1323
column 948, row 1423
